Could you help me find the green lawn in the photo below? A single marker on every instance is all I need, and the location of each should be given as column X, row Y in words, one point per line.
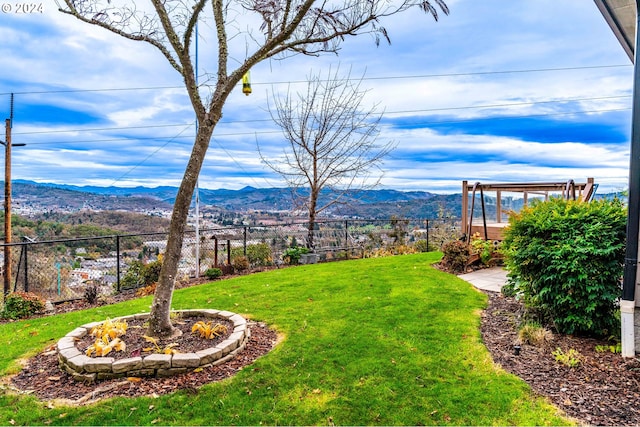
column 384, row 341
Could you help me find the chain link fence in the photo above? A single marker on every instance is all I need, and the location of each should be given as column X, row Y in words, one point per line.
column 60, row 270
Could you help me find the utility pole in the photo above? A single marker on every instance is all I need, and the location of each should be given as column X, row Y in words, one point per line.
column 7, row 200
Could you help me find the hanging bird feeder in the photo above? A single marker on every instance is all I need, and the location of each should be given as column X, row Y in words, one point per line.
column 246, row 83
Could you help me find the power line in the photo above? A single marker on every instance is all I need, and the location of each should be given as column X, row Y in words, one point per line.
column 417, row 76
column 429, row 110
column 153, row 153
column 424, row 124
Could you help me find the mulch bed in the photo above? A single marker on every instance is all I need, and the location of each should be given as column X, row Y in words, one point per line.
column 604, row 389
column 42, row 377
column 186, row 342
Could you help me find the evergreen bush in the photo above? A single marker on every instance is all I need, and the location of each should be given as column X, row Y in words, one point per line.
column 565, row 259
column 213, row 273
column 18, row 305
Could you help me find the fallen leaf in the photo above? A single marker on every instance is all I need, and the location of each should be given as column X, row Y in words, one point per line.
column 317, row 391
column 134, row 379
column 54, row 378
column 12, row 422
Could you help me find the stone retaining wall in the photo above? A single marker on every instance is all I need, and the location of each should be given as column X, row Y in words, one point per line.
column 90, row 369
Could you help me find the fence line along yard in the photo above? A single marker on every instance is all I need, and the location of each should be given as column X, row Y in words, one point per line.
column 60, row 270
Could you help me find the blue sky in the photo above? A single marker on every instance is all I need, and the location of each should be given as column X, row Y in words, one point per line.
column 498, row 91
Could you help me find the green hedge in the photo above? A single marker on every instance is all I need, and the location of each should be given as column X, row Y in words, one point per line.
column 565, row 259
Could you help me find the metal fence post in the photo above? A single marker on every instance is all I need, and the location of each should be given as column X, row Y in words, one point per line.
column 118, row 263
column 427, row 221
column 215, row 251
column 244, row 251
column 228, row 252
column 26, row 268
column 346, row 239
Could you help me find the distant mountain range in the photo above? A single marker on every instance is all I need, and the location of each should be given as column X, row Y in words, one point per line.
column 380, row 204
column 368, row 204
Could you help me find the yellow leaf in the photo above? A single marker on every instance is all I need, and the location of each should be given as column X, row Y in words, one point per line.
column 134, row 379
column 152, row 340
column 119, row 345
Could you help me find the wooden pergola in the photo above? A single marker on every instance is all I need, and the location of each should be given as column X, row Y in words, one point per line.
column 492, row 229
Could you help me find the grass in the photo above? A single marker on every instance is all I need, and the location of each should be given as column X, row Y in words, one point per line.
column 385, row 341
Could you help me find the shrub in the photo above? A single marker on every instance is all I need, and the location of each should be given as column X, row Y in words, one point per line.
column 509, row 289
column 487, row 250
column 132, row 278
column 421, row 245
column 146, row 290
column 227, row 269
column 571, row 358
column 240, row 263
column 91, row 294
column 212, row 273
column 151, row 272
column 455, row 255
column 292, row 255
column 140, row 274
column 534, row 334
column 258, row 254
column 18, row 305
column 565, row 260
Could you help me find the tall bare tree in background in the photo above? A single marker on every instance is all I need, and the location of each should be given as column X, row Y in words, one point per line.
column 331, row 140
column 263, row 29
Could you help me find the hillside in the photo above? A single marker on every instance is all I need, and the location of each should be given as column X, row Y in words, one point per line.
column 43, row 197
column 38, row 198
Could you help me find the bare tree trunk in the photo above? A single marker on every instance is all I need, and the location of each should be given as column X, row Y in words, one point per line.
column 159, row 318
column 313, row 205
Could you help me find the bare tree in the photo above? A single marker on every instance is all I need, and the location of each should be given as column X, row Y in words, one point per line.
column 285, row 27
column 331, row 139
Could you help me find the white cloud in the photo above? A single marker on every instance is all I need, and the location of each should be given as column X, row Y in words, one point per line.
column 455, row 64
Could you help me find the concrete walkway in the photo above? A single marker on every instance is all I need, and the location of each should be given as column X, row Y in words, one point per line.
column 488, row 279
